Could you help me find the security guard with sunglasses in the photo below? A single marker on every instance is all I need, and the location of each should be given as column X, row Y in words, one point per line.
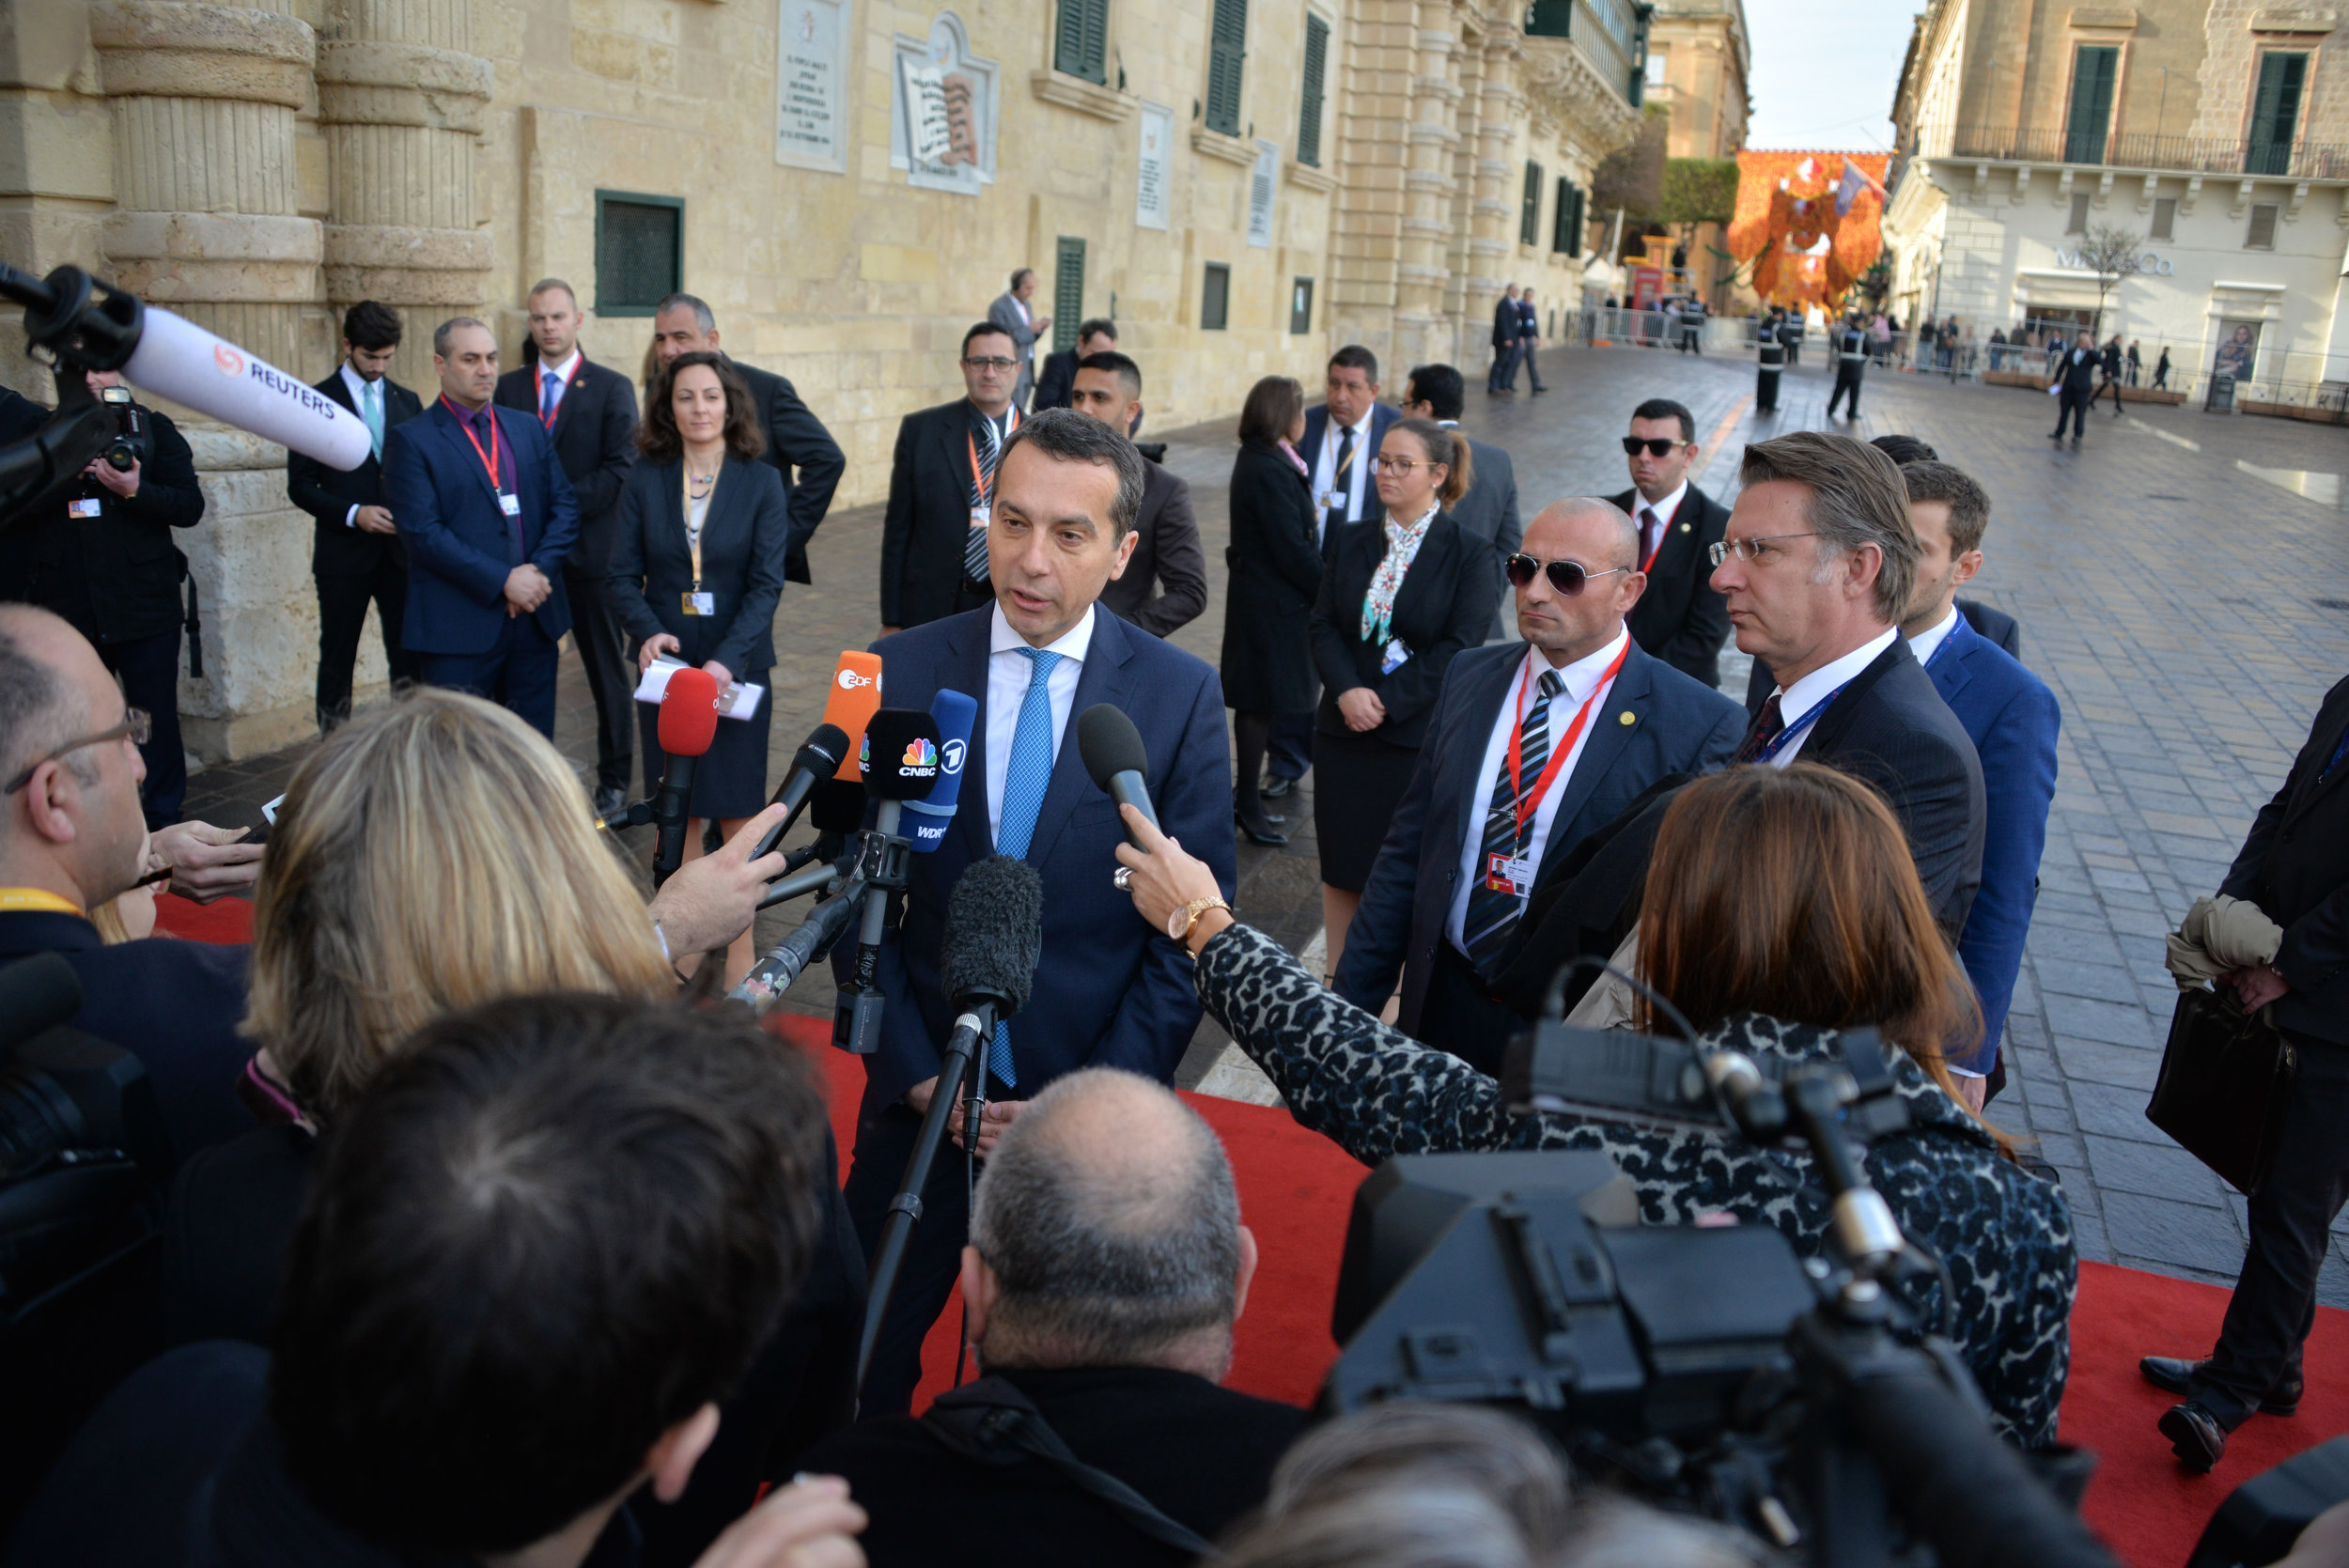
column 1679, row 619
column 1532, row 748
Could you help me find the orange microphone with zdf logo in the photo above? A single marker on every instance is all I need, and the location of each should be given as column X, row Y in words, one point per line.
column 689, row 723
column 856, row 691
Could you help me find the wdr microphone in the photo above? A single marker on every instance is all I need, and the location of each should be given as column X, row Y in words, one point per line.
column 819, row 757
column 899, row 763
column 689, row 723
column 1113, row 751
column 955, row 713
column 856, row 693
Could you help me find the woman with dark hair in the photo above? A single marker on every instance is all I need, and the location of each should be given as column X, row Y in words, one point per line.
column 1782, row 908
column 1398, row 602
column 1268, row 659
column 696, row 572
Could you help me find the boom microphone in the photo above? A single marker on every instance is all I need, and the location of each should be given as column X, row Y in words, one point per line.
column 820, row 756
column 1113, row 751
column 955, row 713
column 178, row 360
column 688, row 721
column 856, row 693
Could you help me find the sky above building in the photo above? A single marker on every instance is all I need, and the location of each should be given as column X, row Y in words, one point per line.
column 1825, row 71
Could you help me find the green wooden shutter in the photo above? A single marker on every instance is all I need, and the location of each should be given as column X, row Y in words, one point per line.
column 1080, row 43
column 1309, row 112
column 2094, row 72
column 2275, row 111
column 1068, row 292
column 1549, row 19
column 1226, row 48
column 1530, row 222
column 1565, row 224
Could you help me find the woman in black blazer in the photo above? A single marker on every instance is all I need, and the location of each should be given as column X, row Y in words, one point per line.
column 1276, row 575
column 1403, row 595
column 701, row 486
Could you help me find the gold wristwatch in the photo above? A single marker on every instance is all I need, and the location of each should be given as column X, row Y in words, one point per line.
column 1179, row 923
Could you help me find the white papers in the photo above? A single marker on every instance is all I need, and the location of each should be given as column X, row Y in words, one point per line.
column 736, row 701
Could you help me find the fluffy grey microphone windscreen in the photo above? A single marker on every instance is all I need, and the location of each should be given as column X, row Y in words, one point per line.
column 994, row 934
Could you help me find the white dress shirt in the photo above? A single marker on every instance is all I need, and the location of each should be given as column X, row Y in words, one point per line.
column 1796, row 699
column 1928, row 641
column 1583, row 684
column 356, row 385
column 1007, row 674
column 1652, row 535
column 1326, row 468
column 538, row 379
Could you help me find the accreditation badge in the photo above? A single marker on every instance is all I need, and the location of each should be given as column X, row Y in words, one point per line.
column 700, row 604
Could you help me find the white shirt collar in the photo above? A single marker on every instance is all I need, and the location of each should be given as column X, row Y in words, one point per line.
column 564, row 369
column 358, row 385
column 1799, row 699
column 1002, row 638
column 1581, row 677
column 1665, row 508
column 1927, row 643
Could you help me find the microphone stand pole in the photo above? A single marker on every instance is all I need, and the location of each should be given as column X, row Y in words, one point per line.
column 885, row 860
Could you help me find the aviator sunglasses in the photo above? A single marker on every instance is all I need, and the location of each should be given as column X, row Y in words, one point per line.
column 1568, row 577
column 1656, row 446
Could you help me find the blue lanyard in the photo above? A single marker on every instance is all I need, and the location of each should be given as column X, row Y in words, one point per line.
column 1778, row 742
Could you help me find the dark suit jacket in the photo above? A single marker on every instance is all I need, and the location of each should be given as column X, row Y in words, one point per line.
column 1997, row 625
column 1446, row 605
column 1504, row 323
column 458, row 552
column 1490, row 512
column 328, row 494
column 1678, row 727
column 2078, row 372
column 175, row 1005
column 1267, row 654
column 1891, row 729
column 742, row 546
column 115, row 576
column 2294, row 865
column 595, row 440
column 929, row 513
column 1167, row 552
column 1057, row 387
column 1680, row 619
column 796, row 439
column 1111, row 992
column 1382, row 416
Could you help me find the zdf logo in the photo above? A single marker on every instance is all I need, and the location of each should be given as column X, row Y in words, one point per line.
column 850, row 680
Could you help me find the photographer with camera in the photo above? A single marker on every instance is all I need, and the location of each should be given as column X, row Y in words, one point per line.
column 1781, row 907
column 103, row 558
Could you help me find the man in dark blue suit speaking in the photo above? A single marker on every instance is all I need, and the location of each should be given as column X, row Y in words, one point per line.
column 1529, row 752
column 488, row 520
column 1109, row 991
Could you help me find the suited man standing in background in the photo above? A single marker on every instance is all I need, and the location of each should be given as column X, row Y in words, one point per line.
column 1057, row 385
column 1529, row 342
column 1680, row 619
column 1489, row 511
column 480, row 500
column 590, row 413
column 1489, row 816
column 1014, row 314
column 942, row 490
column 798, row 445
column 1167, row 552
column 1993, row 624
column 356, row 554
column 1503, row 373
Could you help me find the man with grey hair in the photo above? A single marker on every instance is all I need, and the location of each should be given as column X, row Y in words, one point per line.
column 1111, row 992
column 1107, row 1264
column 1818, row 565
column 1530, row 750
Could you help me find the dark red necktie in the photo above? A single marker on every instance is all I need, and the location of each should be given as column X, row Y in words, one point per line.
column 486, row 423
column 1771, row 720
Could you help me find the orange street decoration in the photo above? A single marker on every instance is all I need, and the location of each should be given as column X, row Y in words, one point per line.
column 1807, row 235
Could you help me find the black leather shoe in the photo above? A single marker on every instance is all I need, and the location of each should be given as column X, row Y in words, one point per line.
column 1261, row 832
column 2180, row 1376
column 1240, row 814
column 609, row 801
column 2195, row 1435
column 1277, row 788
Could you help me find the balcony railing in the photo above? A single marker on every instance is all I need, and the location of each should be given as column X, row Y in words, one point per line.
column 2301, row 159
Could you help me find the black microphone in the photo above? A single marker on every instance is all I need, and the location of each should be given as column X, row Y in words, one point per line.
column 689, row 723
column 899, row 762
column 819, row 757
column 37, row 994
column 814, row 937
column 994, row 937
column 1113, row 754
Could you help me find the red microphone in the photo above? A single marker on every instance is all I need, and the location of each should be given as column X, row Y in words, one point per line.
column 689, row 723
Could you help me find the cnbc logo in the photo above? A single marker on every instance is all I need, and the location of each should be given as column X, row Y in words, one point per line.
column 919, row 753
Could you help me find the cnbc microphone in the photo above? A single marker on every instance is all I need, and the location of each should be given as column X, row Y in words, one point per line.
column 899, row 761
column 994, row 935
column 932, row 815
column 689, row 723
column 1113, row 752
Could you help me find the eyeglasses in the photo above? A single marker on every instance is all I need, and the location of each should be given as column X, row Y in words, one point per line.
column 1568, row 577
column 1657, row 448
column 996, row 363
column 135, row 727
column 1400, row 465
column 1750, row 550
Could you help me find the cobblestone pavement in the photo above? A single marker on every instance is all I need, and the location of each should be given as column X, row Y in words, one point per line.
column 2183, row 587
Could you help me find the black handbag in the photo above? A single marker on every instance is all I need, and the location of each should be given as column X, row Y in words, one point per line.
column 2226, row 1079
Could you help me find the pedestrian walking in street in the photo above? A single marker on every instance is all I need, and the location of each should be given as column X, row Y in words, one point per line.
column 2073, row 388
column 1504, row 375
column 1851, row 360
column 1529, row 339
column 2136, row 361
column 2161, row 369
column 2108, row 375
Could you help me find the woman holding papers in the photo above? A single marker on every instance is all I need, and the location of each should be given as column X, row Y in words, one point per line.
column 696, row 572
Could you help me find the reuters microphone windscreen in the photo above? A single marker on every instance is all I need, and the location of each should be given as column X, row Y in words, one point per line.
column 688, row 713
column 856, row 691
column 178, row 360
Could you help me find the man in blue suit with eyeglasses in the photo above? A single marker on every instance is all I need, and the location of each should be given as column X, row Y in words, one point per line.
column 481, row 503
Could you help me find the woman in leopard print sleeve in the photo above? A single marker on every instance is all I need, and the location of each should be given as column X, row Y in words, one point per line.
column 1830, row 931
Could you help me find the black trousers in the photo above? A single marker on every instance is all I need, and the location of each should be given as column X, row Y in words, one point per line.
column 518, row 672
column 149, row 670
column 1846, row 385
column 1458, row 1016
column 2274, row 1305
column 603, row 652
column 2072, row 406
column 343, row 602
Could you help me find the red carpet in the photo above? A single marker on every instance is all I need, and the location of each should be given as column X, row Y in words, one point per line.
column 1294, row 1192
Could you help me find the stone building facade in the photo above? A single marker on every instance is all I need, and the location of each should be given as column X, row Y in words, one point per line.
column 1699, row 59
column 2216, row 134
column 848, row 183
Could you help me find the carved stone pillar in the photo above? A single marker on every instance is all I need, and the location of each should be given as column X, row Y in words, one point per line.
column 1424, row 273
column 1492, row 235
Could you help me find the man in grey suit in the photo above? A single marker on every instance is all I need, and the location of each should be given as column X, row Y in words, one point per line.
column 1490, row 509
column 1013, row 312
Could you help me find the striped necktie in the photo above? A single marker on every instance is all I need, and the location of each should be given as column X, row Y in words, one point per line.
column 1024, row 784
column 1492, row 912
column 974, row 540
column 1766, row 724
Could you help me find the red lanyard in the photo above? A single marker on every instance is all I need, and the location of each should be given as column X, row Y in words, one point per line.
column 983, row 486
column 489, row 458
column 1530, row 804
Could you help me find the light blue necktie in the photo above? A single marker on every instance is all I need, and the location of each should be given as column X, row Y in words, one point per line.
column 550, row 387
column 371, row 409
column 1025, row 782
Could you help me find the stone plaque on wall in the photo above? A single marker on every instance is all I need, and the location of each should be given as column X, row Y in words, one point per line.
column 811, row 85
column 1158, row 142
column 1260, row 182
column 942, row 125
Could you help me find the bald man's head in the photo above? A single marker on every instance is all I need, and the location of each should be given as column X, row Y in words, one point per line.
column 38, row 704
column 1600, row 537
column 1109, row 1221
column 72, row 819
